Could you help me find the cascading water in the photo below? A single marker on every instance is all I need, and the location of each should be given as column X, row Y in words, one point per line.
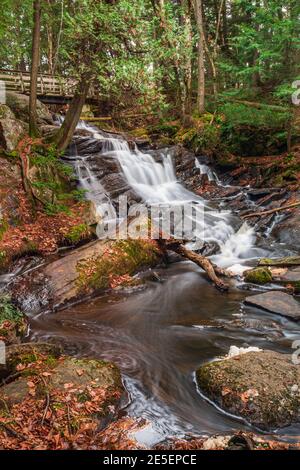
column 154, row 180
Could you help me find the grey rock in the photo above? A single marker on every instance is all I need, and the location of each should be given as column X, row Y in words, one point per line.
column 276, row 302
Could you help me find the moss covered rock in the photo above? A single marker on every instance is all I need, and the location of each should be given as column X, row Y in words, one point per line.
column 261, row 387
column 89, row 269
column 116, row 264
column 258, row 276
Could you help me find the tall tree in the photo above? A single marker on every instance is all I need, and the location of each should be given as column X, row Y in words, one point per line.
column 35, row 59
column 198, row 8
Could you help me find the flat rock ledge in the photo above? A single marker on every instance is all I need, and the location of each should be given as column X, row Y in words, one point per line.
column 276, row 302
column 263, row 388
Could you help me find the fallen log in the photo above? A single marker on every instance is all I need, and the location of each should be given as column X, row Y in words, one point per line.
column 252, row 104
column 281, row 262
column 271, row 211
column 212, row 271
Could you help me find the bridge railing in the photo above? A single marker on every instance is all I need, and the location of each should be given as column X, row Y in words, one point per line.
column 49, row 85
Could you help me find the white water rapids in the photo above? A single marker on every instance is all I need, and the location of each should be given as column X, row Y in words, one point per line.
column 154, row 180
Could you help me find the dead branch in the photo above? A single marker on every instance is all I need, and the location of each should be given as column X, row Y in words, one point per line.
column 204, row 263
column 271, row 211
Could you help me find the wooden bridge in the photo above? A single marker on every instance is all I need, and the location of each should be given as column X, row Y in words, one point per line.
column 51, row 89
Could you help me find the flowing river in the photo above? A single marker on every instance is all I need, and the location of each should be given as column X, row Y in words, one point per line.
column 160, row 335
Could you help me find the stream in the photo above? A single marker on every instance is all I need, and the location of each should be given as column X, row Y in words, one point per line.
column 160, row 335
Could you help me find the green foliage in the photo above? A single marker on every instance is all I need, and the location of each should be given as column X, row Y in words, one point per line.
column 248, row 131
column 201, row 139
column 8, row 312
column 241, row 115
column 55, row 208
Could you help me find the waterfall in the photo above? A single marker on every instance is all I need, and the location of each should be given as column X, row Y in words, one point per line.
column 153, row 179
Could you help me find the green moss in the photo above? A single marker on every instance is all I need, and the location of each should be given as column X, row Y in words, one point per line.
column 202, row 137
column 258, row 276
column 125, row 257
column 78, row 233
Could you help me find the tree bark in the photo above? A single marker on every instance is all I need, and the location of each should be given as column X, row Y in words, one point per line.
column 35, row 58
column 64, row 136
column 200, row 57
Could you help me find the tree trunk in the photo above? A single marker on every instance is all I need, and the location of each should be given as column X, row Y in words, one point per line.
column 64, row 136
column 200, row 57
column 35, row 58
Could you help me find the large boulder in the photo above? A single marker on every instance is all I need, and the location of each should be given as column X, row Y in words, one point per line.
column 261, row 387
column 19, row 104
column 11, row 132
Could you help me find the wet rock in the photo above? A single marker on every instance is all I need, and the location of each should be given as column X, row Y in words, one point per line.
column 276, row 302
column 54, row 284
column 261, row 387
column 258, row 276
column 288, row 230
column 259, row 193
column 209, row 249
column 48, row 130
column 19, row 104
column 291, row 275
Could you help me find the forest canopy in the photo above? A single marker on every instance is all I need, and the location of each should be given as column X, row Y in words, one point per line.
column 160, row 52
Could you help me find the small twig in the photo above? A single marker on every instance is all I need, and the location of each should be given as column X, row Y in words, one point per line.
column 47, row 401
column 69, row 420
column 271, row 211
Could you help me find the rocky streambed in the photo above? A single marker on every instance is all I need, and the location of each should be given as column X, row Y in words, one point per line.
column 163, row 329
